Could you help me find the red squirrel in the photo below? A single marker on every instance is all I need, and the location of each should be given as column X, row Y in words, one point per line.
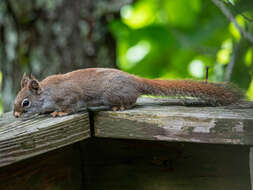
column 63, row 94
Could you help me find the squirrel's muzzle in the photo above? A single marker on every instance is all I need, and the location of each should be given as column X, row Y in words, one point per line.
column 17, row 114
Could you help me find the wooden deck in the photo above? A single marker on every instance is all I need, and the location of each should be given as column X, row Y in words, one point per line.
column 158, row 134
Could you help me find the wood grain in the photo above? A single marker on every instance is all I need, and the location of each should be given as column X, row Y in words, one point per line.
column 151, row 120
column 24, row 139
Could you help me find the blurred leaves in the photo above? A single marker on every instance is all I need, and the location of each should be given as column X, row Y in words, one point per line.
column 242, row 74
column 176, row 13
column 177, row 39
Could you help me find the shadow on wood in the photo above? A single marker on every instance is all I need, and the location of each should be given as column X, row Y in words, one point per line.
column 130, row 164
column 59, row 169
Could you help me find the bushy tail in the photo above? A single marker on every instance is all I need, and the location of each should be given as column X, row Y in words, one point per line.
column 215, row 94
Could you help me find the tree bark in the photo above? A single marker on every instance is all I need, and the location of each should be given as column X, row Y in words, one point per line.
column 48, row 37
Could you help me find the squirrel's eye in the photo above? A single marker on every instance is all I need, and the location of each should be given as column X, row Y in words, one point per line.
column 25, row 103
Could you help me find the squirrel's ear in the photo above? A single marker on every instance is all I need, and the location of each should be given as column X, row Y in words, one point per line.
column 32, row 77
column 24, row 81
column 34, row 86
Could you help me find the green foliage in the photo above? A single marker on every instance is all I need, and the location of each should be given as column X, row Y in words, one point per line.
column 177, row 39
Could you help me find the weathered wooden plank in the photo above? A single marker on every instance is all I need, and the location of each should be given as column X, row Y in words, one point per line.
column 134, row 164
column 23, row 139
column 55, row 170
column 158, row 120
column 251, row 166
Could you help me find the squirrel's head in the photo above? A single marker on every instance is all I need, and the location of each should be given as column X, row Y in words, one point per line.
column 28, row 100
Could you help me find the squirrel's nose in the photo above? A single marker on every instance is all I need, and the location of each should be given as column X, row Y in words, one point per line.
column 17, row 114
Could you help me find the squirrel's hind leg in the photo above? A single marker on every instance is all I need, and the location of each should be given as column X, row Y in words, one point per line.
column 121, row 108
column 121, row 92
column 119, row 102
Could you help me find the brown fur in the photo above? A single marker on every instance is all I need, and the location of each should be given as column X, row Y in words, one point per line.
column 215, row 94
column 68, row 93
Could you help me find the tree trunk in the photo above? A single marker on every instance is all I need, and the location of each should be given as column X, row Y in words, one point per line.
column 47, row 37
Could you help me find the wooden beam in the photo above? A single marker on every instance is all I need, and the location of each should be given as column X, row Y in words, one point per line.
column 55, row 170
column 251, row 166
column 154, row 165
column 24, row 139
column 163, row 120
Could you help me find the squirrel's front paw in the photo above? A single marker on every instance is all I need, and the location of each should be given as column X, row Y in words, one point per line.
column 60, row 114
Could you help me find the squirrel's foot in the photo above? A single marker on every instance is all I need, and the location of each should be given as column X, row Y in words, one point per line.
column 118, row 108
column 60, row 114
column 122, row 108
